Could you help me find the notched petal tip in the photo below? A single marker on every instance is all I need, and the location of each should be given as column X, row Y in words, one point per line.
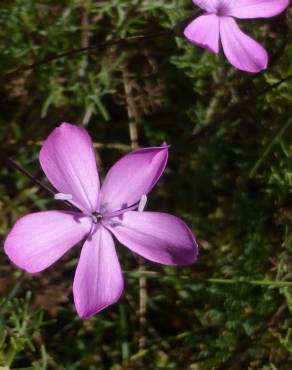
column 64, row 125
column 162, row 147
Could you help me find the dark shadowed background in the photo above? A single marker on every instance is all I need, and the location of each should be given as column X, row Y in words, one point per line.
column 229, row 177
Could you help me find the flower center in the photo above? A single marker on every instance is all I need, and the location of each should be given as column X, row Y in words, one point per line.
column 96, row 217
column 222, row 8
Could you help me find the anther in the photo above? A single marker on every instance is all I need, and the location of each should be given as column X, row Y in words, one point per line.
column 96, row 217
column 62, row 196
column 142, row 203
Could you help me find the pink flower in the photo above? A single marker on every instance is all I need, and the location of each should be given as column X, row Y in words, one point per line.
column 40, row 239
column 242, row 51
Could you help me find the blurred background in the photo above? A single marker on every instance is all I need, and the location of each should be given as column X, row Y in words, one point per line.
column 229, row 177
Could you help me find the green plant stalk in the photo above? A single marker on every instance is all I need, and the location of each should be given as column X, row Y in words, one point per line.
column 154, row 274
column 270, row 148
column 125, row 348
column 268, row 283
column 102, row 45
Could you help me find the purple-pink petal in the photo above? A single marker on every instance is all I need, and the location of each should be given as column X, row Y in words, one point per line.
column 39, row 239
column 98, row 280
column 204, row 31
column 158, row 237
column 131, row 177
column 241, row 50
column 68, row 160
column 245, row 9
column 209, row 5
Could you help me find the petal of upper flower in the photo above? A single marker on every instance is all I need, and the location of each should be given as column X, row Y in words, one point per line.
column 242, row 51
column 208, row 5
column 98, row 280
column 68, row 160
column 39, row 239
column 204, row 31
column 245, row 9
column 131, row 177
column 158, row 237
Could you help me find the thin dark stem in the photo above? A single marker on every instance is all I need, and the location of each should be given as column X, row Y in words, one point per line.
column 21, row 169
column 270, row 147
column 235, row 109
column 102, row 45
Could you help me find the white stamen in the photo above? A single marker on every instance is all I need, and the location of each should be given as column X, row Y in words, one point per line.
column 142, row 203
column 62, row 196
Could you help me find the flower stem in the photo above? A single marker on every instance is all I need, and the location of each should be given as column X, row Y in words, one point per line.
column 270, row 147
column 47, row 188
column 233, row 111
column 251, row 282
column 125, row 347
column 21, row 169
column 101, row 45
column 134, row 120
column 219, row 281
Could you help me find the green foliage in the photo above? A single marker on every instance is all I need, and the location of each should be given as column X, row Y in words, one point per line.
column 20, row 333
column 229, row 176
